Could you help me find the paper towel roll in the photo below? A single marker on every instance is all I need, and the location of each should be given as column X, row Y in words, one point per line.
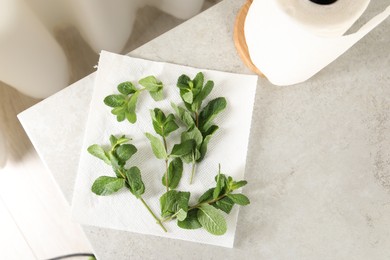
column 291, row 40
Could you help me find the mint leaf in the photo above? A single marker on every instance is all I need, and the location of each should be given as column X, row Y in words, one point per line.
column 193, row 134
column 114, row 100
column 157, row 95
column 183, row 148
column 191, row 221
column 151, row 83
column 184, row 115
column 239, row 199
column 113, row 140
column 106, row 185
column 168, row 203
column 221, row 182
column 169, row 127
column 188, row 97
column 127, row 88
column 175, row 171
column 125, row 151
column 206, row 140
column 99, row 152
column 208, row 195
column 210, row 111
column 237, row 185
column 133, row 176
column 225, row 204
column 173, row 201
column 212, row 220
column 157, row 146
column 182, row 82
column 131, row 107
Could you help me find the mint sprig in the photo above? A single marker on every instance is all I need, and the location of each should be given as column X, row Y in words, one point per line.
column 198, row 120
column 124, row 104
column 206, row 213
column 117, row 156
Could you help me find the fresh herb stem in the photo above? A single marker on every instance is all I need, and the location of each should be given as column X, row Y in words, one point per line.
column 146, row 205
column 193, row 171
column 166, row 164
column 208, row 202
column 154, row 216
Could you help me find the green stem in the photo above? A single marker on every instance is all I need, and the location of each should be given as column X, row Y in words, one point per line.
column 154, row 216
column 193, row 171
column 208, row 202
column 166, row 164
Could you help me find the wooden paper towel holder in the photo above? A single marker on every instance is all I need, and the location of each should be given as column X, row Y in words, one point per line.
column 239, row 38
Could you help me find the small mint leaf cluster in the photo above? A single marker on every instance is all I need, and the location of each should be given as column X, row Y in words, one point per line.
column 124, row 104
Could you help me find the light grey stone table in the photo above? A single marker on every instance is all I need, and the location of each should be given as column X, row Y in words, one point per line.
column 318, row 163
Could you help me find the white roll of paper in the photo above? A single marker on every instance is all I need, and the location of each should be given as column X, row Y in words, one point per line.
column 289, row 41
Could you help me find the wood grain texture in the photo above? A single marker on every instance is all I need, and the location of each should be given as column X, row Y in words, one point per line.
column 239, row 38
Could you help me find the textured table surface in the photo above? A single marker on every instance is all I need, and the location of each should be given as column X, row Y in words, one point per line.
column 318, row 163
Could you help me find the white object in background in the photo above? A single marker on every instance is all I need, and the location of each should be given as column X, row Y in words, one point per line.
column 106, row 24
column 31, row 60
column 291, row 40
column 182, row 9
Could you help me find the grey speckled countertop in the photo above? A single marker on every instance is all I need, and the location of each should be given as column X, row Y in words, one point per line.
column 318, row 163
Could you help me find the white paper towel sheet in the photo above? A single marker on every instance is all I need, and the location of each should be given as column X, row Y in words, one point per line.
column 228, row 146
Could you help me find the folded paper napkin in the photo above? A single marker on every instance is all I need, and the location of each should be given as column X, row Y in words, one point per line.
column 228, row 147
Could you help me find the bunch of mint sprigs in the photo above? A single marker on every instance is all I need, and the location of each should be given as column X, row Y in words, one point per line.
column 192, row 149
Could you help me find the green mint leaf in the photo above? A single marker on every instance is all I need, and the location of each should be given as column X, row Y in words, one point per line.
column 225, row 204
column 113, row 140
column 237, row 185
column 99, row 152
column 198, row 81
column 127, row 88
column 210, row 111
column 157, row 95
column 182, row 82
column 157, row 146
column 212, row 220
column 191, row 221
column 114, row 100
column 184, row 115
column 151, row 83
column 188, row 97
column 120, row 117
column 206, row 140
column 125, row 151
column 181, row 215
column 106, row 185
column 202, row 95
column 173, row 201
column 193, row 134
column 136, row 185
column 175, row 171
column 168, row 203
column 239, row 199
column 115, row 163
column 183, row 148
column 169, row 127
column 122, row 139
column 131, row 117
column 221, row 182
column 207, row 196
column 131, row 107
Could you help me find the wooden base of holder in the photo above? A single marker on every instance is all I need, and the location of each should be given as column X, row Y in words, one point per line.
column 239, row 38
